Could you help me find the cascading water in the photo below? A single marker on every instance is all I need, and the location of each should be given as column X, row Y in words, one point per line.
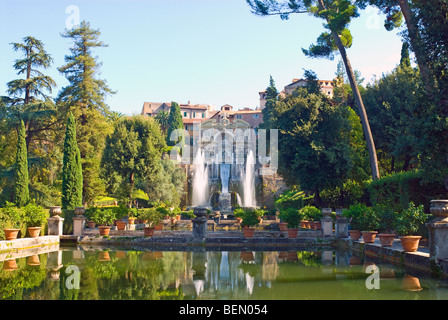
column 249, row 182
column 200, row 186
column 225, row 176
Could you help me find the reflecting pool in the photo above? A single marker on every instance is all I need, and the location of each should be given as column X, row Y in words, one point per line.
column 73, row 274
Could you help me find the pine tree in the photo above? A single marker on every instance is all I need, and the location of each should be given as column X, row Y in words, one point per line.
column 271, row 99
column 175, row 122
column 85, row 98
column 337, row 15
column 21, row 179
column 28, row 99
column 72, row 183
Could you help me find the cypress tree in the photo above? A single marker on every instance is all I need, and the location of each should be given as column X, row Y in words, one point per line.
column 72, row 181
column 21, row 188
column 405, row 61
column 175, row 122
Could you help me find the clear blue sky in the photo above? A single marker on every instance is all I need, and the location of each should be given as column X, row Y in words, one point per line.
column 203, row 51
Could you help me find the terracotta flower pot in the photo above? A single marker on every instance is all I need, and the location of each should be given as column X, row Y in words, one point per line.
column 120, row 225
column 411, row 283
column 247, row 256
column 159, row 227
column 34, row 232
column 104, row 230
column 283, row 226
column 104, row 256
column 148, row 232
column 292, row 233
column 10, row 265
column 11, row 234
column 248, row 232
column 33, row 260
column 354, row 261
column 120, row 255
column 410, row 243
column 386, row 239
column 355, row 235
column 132, row 220
column 90, row 224
column 292, row 256
column 369, row 236
column 317, row 225
column 303, row 223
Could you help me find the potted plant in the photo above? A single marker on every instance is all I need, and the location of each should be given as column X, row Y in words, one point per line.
column 387, row 218
column 34, row 216
column 311, row 215
column 250, row 220
column 409, row 224
column 12, row 221
column 369, row 224
column 132, row 215
column 90, row 214
column 153, row 218
column 292, row 217
column 104, row 219
column 354, row 215
column 238, row 213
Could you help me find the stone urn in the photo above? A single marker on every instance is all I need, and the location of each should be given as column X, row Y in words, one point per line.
column 439, row 209
column 79, row 211
column 55, row 211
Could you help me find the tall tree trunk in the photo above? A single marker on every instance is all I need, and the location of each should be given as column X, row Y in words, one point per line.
column 414, row 37
column 358, row 99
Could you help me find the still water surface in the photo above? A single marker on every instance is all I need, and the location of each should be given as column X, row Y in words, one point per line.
column 72, row 274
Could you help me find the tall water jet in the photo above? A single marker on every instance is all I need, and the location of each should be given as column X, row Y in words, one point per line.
column 200, row 186
column 249, row 182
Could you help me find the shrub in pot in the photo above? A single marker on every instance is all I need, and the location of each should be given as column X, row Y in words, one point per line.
column 152, row 218
column 311, row 213
column 292, row 217
column 387, row 224
column 104, row 219
column 409, row 226
column 250, row 220
column 369, row 224
column 34, row 217
column 354, row 215
column 12, row 218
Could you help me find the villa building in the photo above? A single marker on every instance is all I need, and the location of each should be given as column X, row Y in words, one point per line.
column 327, row 87
column 194, row 114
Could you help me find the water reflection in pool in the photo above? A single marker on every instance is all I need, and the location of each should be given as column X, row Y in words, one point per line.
column 70, row 274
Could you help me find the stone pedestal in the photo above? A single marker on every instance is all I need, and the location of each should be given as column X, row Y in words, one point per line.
column 79, row 224
column 438, row 240
column 55, row 224
column 341, row 228
column 327, row 223
column 199, row 224
column 438, row 231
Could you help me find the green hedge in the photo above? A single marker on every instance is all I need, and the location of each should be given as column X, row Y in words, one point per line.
column 398, row 190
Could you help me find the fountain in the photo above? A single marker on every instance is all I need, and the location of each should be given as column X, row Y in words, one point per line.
column 200, row 181
column 224, row 173
column 249, row 182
